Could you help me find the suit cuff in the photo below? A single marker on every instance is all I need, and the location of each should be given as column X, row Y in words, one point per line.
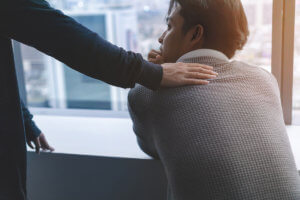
column 32, row 131
column 151, row 75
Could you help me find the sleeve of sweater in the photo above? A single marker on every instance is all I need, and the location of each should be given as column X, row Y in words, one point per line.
column 141, row 122
column 31, row 129
column 35, row 23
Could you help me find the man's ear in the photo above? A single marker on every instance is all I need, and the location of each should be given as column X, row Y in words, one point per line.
column 197, row 34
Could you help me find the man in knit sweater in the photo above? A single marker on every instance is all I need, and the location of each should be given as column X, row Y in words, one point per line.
column 223, row 141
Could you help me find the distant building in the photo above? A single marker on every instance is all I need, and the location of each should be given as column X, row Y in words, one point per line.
column 67, row 88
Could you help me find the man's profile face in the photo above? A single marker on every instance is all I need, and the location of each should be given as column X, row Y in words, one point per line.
column 173, row 41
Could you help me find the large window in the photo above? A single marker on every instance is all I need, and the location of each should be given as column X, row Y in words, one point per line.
column 51, row 84
column 296, row 93
column 258, row 50
column 133, row 25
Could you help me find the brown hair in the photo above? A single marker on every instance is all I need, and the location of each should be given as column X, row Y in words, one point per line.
column 224, row 21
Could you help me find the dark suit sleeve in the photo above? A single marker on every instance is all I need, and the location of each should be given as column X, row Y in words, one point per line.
column 31, row 129
column 35, row 23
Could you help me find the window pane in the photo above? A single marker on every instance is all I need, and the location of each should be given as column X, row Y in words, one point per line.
column 37, row 81
column 50, row 83
column 258, row 50
column 296, row 93
column 134, row 25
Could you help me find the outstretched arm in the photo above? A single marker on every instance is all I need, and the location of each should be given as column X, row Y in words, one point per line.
column 142, row 126
column 35, row 23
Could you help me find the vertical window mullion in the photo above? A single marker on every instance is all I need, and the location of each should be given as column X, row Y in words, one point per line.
column 277, row 37
column 283, row 52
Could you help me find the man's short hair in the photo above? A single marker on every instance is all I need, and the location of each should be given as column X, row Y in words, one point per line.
column 224, row 21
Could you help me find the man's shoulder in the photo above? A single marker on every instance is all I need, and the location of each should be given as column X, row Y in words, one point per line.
column 10, row 4
column 139, row 95
column 139, row 90
column 256, row 72
column 247, row 67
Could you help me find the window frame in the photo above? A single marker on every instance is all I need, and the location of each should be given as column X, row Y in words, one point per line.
column 80, row 113
column 283, row 52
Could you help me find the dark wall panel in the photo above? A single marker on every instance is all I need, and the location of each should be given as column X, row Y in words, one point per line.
column 74, row 177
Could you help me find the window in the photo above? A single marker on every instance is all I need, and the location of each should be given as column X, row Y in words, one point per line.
column 258, row 50
column 51, row 84
column 296, row 89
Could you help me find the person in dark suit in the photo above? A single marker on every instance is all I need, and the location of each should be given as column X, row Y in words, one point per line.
column 35, row 23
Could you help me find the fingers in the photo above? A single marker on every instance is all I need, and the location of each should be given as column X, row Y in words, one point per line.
column 44, row 143
column 203, row 71
column 51, row 149
column 196, row 75
column 195, row 82
column 153, row 54
column 200, row 71
column 156, row 51
column 155, row 57
column 196, row 65
column 157, row 60
column 181, row 74
column 46, row 147
column 30, row 144
column 40, row 143
column 152, row 60
column 37, row 145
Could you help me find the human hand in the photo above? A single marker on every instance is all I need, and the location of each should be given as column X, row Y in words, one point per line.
column 155, row 57
column 180, row 74
column 40, row 142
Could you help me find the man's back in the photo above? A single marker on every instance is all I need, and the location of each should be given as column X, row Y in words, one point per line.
column 226, row 140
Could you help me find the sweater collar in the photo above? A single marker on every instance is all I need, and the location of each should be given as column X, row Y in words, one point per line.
column 203, row 53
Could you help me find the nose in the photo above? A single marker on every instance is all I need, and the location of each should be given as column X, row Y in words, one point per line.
column 161, row 38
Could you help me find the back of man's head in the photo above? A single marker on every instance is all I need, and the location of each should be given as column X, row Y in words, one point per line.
column 224, row 22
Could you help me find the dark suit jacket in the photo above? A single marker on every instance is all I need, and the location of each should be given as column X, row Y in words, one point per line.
column 35, row 23
column 31, row 129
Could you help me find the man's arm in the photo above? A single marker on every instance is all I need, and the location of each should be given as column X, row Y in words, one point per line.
column 35, row 23
column 33, row 133
column 142, row 124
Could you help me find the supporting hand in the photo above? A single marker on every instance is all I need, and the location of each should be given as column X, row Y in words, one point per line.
column 40, row 142
column 155, row 57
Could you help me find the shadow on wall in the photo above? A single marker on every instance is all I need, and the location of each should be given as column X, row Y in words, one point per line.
column 62, row 177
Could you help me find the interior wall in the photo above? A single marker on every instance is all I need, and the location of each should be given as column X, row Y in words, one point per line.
column 54, row 176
